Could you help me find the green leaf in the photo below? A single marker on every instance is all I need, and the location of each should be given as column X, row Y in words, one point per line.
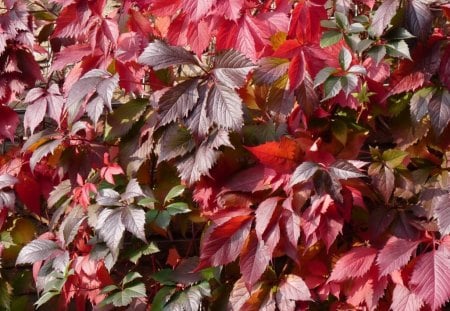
column 323, row 75
column 174, row 192
column 340, row 131
column 341, row 20
column 108, row 289
column 124, row 117
column 398, row 49
column 357, row 28
column 349, row 83
column 190, row 299
column 164, row 276
column 125, row 297
column 332, row 87
column 147, row 202
column 162, row 297
column 45, row 298
column 363, row 45
column 377, row 53
column 326, row 23
column 131, row 277
column 330, row 37
column 149, row 249
column 345, row 58
column 5, row 295
column 178, row 208
column 394, row 157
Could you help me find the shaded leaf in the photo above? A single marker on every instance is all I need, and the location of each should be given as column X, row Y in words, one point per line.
column 439, row 109
column 418, row 18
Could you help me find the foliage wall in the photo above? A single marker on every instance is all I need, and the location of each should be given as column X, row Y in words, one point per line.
column 224, row 154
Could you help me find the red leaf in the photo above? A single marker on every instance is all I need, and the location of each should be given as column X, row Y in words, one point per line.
column 395, row 254
column 254, row 259
column 263, row 215
column 356, row 263
column 197, row 9
column 430, row 277
column 225, row 242
column 305, row 21
column 290, row 228
column 292, row 289
column 254, row 179
column 29, row 192
column 367, row 289
column 282, row 156
column 8, row 122
column 248, row 35
column 404, row 300
column 297, row 70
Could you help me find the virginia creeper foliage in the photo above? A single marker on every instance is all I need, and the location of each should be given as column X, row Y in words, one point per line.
column 224, row 155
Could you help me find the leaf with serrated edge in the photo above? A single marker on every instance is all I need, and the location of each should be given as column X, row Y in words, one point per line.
column 159, row 55
column 134, row 221
column 254, row 260
column 404, row 300
column 304, row 172
column 383, row 16
column 430, row 276
column 177, row 102
column 292, row 289
column 231, row 68
column 225, row 107
column 395, row 254
column 439, row 109
column 344, row 170
column 355, row 263
column 110, row 227
column 35, row 251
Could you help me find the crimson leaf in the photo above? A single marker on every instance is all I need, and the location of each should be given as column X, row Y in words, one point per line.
column 395, row 254
column 356, row 263
column 254, row 259
column 292, row 289
column 430, row 277
column 225, row 242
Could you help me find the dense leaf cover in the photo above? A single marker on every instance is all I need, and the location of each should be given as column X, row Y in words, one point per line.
column 225, row 154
